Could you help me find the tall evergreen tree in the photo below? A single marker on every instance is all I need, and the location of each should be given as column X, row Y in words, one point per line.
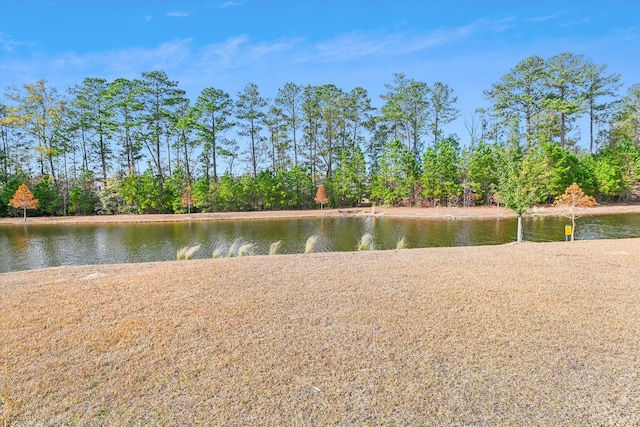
column 358, row 115
column 625, row 124
column 395, row 180
column 481, row 171
column 442, row 108
column 126, row 98
column 331, row 118
column 279, row 143
column 597, row 85
column 441, row 172
column 160, row 97
column 348, row 183
column 289, row 99
column 92, row 102
column 250, row 111
column 564, row 78
column 185, row 142
column 520, row 92
column 311, row 127
column 215, row 111
column 406, row 108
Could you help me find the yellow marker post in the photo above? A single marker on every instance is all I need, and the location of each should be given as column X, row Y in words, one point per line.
column 567, row 232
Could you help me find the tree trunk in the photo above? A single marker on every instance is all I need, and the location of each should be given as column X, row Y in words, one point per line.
column 295, row 148
column 562, row 130
column 186, row 161
column 129, row 149
column 519, row 233
column 214, row 147
column 168, row 153
column 85, row 159
column 254, row 163
column 103, row 157
column 590, row 131
column 51, row 165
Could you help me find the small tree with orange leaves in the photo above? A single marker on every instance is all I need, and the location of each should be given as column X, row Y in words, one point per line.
column 187, row 199
column 321, row 196
column 23, row 199
column 573, row 198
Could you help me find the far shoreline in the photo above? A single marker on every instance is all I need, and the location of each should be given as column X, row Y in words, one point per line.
column 432, row 213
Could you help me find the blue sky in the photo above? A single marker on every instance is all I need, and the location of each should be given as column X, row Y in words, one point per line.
column 225, row 44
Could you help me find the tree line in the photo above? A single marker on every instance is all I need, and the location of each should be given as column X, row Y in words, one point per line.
column 141, row 146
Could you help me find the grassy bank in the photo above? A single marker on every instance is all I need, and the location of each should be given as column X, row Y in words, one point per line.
column 529, row 334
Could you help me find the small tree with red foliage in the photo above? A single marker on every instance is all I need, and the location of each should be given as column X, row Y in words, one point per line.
column 573, row 198
column 23, row 199
column 321, row 196
column 187, row 199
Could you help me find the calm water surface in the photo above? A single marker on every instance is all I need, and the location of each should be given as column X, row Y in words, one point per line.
column 34, row 246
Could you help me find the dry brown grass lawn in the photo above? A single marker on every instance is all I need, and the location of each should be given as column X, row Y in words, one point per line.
column 514, row 335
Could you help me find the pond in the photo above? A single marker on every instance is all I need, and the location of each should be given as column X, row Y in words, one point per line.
column 32, row 246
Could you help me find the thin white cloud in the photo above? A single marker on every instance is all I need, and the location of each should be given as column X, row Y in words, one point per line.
column 231, row 3
column 178, row 14
column 578, row 22
column 70, row 68
column 543, row 18
column 435, row 38
column 265, row 49
column 353, row 45
column 8, row 44
column 225, row 53
column 169, row 55
column 147, row 18
column 498, row 25
column 240, row 51
column 359, row 44
column 629, row 33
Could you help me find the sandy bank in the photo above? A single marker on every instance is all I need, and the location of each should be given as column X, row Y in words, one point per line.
column 427, row 213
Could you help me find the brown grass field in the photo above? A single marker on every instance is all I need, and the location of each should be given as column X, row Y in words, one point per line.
column 532, row 334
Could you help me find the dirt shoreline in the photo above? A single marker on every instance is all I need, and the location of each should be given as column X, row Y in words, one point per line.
column 427, row 213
